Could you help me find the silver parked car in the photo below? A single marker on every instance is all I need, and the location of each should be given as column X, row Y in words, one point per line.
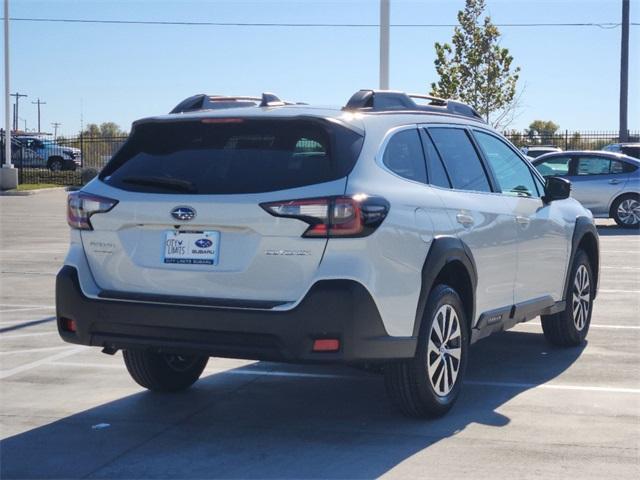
column 606, row 183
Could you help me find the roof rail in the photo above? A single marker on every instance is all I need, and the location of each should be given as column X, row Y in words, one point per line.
column 392, row 101
column 207, row 102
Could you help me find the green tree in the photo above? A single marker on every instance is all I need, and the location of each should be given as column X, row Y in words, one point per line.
column 104, row 130
column 476, row 69
column 542, row 131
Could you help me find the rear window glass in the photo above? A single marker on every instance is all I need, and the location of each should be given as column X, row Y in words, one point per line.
column 232, row 156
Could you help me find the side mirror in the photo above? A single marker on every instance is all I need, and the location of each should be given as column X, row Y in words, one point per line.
column 556, row 188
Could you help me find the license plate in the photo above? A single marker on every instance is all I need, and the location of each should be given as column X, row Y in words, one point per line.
column 192, row 248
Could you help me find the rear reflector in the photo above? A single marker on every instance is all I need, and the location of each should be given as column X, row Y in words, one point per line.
column 326, row 345
column 68, row 325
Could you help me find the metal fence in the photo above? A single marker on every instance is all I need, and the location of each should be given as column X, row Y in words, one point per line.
column 75, row 160
column 60, row 161
column 568, row 139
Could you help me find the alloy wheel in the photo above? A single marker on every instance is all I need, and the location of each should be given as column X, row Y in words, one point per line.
column 581, row 298
column 179, row 363
column 629, row 211
column 444, row 350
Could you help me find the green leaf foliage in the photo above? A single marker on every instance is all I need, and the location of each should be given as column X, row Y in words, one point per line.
column 474, row 68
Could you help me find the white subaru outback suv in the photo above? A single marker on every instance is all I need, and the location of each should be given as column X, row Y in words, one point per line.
column 396, row 231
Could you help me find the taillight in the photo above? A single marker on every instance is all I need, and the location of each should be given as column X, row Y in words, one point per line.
column 81, row 205
column 356, row 216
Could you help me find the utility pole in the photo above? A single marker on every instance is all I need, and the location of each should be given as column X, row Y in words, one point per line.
column 55, row 126
column 384, row 44
column 39, row 103
column 17, row 113
column 624, row 73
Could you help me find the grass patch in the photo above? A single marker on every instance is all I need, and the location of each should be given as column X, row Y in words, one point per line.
column 35, row 186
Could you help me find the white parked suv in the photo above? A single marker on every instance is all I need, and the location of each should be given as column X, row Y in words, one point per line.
column 390, row 231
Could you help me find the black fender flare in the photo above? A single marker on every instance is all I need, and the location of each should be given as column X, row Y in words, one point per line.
column 584, row 226
column 444, row 250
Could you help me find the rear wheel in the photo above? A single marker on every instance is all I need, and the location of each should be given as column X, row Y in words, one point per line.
column 569, row 328
column 163, row 372
column 626, row 211
column 56, row 165
column 429, row 384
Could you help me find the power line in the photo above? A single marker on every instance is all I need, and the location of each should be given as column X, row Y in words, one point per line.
column 605, row 25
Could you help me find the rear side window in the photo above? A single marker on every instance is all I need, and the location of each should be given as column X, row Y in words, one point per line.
column 404, row 156
column 460, row 159
column 593, row 166
column 232, row 156
column 437, row 173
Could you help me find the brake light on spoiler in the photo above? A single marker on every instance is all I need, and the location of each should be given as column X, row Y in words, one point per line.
column 329, row 217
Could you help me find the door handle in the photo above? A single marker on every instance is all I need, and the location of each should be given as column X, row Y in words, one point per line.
column 524, row 221
column 464, row 219
column 613, row 181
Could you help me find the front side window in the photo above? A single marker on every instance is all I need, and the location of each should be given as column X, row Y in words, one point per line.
column 512, row 174
column 556, row 166
column 460, row 159
column 404, row 156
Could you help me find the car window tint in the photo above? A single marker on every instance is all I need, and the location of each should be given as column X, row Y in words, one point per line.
column 460, row 159
column 616, row 167
column 556, row 166
column 232, row 156
column 435, row 169
column 511, row 172
column 593, row 166
column 404, row 156
column 629, row 167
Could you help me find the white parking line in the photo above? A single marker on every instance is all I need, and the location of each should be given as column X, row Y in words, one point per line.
column 20, row 335
column 276, row 373
column 600, row 290
column 13, row 305
column 26, row 309
column 605, row 327
column 610, row 267
column 35, row 350
column 551, row 386
column 37, row 363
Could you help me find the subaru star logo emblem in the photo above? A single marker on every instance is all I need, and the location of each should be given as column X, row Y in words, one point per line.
column 183, row 214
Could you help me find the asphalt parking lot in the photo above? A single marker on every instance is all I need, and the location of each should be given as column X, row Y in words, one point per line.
column 527, row 409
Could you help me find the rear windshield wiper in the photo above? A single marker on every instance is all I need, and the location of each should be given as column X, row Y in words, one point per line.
column 162, row 182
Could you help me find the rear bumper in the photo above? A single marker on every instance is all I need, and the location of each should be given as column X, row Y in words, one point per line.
column 341, row 309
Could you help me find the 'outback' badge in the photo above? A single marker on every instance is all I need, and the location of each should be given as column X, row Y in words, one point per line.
column 184, row 214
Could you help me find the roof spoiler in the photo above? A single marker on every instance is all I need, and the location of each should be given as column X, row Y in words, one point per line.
column 392, row 101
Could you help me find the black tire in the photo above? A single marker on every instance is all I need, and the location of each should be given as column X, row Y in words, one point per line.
column 56, row 165
column 629, row 202
column 408, row 382
column 569, row 328
column 163, row 372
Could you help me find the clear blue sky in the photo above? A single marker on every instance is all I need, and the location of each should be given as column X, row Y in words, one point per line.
column 123, row 72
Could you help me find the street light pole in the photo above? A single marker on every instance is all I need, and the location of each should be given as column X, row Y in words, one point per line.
column 7, row 98
column 384, row 44
column 624, row 73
